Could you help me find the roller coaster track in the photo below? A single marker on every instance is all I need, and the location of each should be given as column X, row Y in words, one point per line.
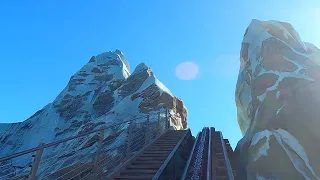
column 209, row 158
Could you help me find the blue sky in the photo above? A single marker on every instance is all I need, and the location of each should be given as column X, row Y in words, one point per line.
column 43, row 43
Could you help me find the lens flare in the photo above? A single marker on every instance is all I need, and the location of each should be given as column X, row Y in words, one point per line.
column 187, row 71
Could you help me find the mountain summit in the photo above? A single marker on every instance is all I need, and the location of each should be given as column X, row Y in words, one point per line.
column 103, row 91
column 278, row 104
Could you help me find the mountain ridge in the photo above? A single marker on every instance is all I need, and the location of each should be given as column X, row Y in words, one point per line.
column 103, row 91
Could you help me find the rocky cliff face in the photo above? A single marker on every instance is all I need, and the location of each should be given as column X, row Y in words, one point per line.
column 101, row 92
column 278, row 104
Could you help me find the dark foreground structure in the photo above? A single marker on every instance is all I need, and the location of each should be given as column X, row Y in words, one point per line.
column 167, row 155
column 177, row 155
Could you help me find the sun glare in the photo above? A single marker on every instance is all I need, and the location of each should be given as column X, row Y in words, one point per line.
column 187, row 71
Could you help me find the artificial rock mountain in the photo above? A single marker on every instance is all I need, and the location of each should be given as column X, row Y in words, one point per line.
column 278, row 102
column 101, row 92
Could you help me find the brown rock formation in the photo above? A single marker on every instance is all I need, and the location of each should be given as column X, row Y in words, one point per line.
column 278, row 101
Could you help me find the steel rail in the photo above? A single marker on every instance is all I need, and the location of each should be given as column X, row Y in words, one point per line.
column 190, row 156
column 200, row 156
column 209, row 156
column 225, row 155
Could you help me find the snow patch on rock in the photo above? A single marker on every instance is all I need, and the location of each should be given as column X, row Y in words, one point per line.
column 291, row 146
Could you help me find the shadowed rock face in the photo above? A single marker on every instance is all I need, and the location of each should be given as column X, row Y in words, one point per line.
column 101, row 92
column 278, row 104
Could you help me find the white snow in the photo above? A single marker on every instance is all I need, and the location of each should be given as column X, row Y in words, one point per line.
column 177, row 126
column 255, row 36
column 261, row 177
column 295, row 63
column 295, row 36
column 281, row 75
column 162, row 87
column 262, row 97
column 123, row 59
column 315, row 52
column 263, row 149
column 278, row 110
column 254, row 120
column 117, row 56
column 125, row 109
column 300, row 162
column 140, row 67
column 296, row 153
column 311, row 46
column 153, row 80
column 259, row 135
column 148, row 82
column 118, row 72
column 284, row 31
column 278, row 94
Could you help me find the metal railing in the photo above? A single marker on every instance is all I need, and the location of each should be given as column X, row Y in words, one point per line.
column 86, row 155
column 226, row 159
column 170, row 157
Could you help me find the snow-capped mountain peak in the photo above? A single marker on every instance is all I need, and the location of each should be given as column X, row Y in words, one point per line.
column 103, row 91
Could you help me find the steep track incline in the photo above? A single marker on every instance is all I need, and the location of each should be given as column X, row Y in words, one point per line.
column 209, row 158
